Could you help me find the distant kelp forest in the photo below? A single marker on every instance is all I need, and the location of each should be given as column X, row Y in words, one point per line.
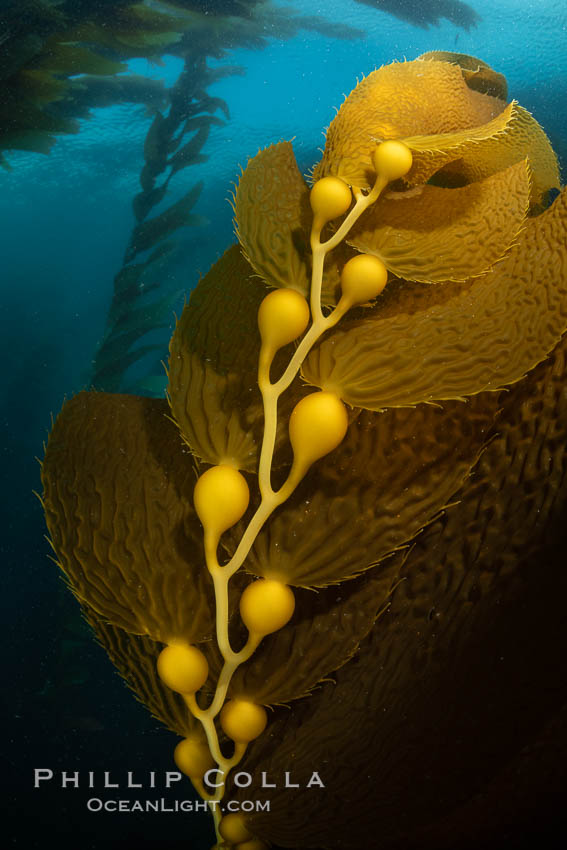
column 59, row 60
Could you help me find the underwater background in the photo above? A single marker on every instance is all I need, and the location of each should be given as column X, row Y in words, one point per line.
column 66, row 220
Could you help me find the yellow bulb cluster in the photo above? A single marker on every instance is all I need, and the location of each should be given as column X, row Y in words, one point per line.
column 183, row 668
column 317, row 425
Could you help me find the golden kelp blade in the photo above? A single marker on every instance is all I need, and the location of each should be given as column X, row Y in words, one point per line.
column 135, row 658
column 474, row 154
column 213, row 363
column 213, row 367
column 273, row 223
column 399, row 101
column 324, row 633
column 487, row 336
column 477, row 74
column 477, row 621
column 429, row 106
column 273, row 218
column 409, row 298
column 391, row 475
column 118, row 487
column 446, row 234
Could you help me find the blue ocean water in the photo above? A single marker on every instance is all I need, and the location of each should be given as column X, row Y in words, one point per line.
column 65, row 220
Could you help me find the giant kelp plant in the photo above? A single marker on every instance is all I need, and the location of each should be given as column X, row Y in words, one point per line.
column 331, row 558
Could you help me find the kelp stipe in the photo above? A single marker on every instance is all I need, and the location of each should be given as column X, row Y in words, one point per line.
column 338, row 421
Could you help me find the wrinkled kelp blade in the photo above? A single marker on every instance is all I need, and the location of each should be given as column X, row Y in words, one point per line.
column 476, row 622
column 118, row 502
column 273, row 223
column 473, row 154
column 476, row 73
column 324, row 633
column 391, row 475
column 446, row 234
column 213, row 367
column 429, row 106
column 487, row 336
column 398, row 101
column 135, row 657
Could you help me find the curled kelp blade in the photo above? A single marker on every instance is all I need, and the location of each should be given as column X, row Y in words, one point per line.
column 323, row 634
column 390, row 476
column 432, row 234
column 450, row 128
column 135, row 658
column 469, row 155
column 118, row 486
column 408, row 99
column 474, row 636
column 477, row 74
column 273, row 219
column 213, row 367
column 485, row 337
